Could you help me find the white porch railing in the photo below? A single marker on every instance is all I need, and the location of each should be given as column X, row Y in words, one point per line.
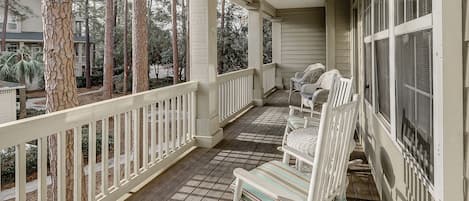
column 268, row 78
column 138, row 149
column 418, row 187
column 235, row 93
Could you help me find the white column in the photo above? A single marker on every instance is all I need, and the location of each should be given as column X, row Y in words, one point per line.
column 448, row 99
column 330, row 35
column 256, row 53
column 203, row 51
column 277, row 51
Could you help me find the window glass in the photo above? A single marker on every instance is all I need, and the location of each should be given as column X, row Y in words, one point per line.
column 382, row 73
column 381, row 15
column 399, row 11
column 425, row 7
column 367, row 14
column 414, row 95
column 368, row 72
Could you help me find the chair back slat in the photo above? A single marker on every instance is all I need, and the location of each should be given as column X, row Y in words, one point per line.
column 332, row 151
column 341, row 92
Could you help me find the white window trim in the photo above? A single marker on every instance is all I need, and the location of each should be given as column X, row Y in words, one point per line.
column 418, row 24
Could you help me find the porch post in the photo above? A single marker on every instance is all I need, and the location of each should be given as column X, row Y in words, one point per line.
column 330, row 35
column 256, row 52
column 277, row 50
column 448, row 100
column 203, row 51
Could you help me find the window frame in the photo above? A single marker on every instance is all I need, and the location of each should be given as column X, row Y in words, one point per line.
column 428, row 21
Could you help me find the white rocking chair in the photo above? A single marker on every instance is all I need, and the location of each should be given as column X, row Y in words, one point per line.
column 278, row 181
column 341, row 92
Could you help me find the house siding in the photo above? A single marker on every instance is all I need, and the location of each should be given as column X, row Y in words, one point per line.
column 342, row 38
column 303, row 40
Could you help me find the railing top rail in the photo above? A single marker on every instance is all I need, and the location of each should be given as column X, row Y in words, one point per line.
column 268, row 66
column 235, row 74
column 25, row 130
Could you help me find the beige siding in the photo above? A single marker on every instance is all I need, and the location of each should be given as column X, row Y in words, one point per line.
column 466, row 93
column 33, row 23
column 303, row 40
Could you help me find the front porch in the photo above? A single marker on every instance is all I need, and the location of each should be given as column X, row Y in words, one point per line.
column 249, row 141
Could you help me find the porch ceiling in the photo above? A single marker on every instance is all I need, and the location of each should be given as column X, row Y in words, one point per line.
column 283, row 4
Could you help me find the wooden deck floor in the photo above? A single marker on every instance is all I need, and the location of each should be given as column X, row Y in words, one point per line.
column 250, row 141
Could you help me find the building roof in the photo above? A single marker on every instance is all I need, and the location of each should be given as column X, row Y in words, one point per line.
column 34, row 37
column 4, row 85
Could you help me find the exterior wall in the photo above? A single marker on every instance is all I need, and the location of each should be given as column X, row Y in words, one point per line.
column 465, row 44
column 32, row 23
column 302, row 40
column 342, row 38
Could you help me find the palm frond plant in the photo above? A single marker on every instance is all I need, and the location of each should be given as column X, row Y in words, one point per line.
column 20, row 66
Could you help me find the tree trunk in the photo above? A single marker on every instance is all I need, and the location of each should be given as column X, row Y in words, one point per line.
column 108, row 50
column 23, row 98
column 175, row 42
column 139, row 47
column 222, row 38
column 87, row 46
column 4, row 28
column 60, row 83
column 126, row 62
column 187, row 72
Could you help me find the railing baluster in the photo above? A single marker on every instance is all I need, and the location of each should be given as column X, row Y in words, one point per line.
column 136, row 139
column 20, row 172
column 194, row 104
column 178, row 121
column 173, row 124
column 61, row 165
column 42, row 169
column 184, row 118
column 127, row 146
column 145, row 138
column 77, row 167
column 166, row 126
column 153, row 133
column 117, row 150
column 92, row 161
column 160, row 129
column 105, row 156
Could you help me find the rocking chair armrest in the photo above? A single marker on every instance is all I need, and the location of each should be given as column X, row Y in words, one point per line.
column 320, row 96
column 243, row 176
column 312, row 121
column 295, row 108
column 298, row 155
column 299, row 75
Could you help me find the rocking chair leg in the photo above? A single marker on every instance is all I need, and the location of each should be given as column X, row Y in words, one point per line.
column 286, row 158
column 238, row 190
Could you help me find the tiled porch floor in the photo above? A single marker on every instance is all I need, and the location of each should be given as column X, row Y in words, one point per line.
column 251, row 140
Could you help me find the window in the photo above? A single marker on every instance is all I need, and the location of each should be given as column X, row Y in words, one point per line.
column 414, row 96
column 407, row 10
column 12, row 23
column 382, row 75
column 12, row 47
column 368, row 73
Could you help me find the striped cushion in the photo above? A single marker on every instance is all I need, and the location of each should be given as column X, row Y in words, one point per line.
column 281, row 175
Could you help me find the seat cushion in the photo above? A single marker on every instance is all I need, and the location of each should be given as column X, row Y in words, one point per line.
column 304, row 140
column 281, row 175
